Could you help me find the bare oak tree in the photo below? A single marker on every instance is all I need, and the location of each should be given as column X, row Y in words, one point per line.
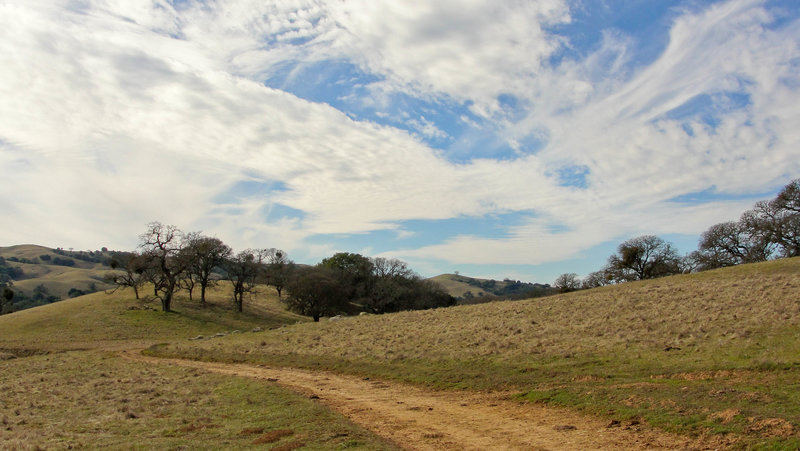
column 778, row 220
column 567, row 282
column 730, row 243
column 278, row 269
column 161, row 246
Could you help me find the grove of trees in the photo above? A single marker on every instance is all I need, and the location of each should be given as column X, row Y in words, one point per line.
column 349, row 283
column 344, row 283
column 6, row 297
column 771, row 229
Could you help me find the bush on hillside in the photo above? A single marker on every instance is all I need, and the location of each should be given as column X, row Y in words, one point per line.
column 63, row 261
column 8, row 273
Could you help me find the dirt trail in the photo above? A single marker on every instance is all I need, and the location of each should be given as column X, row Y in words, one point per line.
column 419, row 419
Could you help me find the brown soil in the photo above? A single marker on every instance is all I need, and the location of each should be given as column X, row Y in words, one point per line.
column 417, row 418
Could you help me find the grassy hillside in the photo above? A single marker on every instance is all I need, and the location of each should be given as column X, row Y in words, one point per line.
column 102, row 320
column 709, row 353
column 47, row 267
column 65, row 385
column 465, row 288
column 715, row 353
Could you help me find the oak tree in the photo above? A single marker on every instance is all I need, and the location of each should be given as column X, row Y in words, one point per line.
column 644, row 257
column 161, row 246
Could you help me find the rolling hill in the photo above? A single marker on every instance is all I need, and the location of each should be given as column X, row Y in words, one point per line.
column 471, row 290
column 66, row 384
column 44, row 275
column 712, row 354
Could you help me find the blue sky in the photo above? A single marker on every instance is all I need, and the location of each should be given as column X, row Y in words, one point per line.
column 496, row 138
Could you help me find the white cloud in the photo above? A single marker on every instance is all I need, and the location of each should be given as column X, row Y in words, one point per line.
column 116, row 114
column 427, row 128
column 471, row 50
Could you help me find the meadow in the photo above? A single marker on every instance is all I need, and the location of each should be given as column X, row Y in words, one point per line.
column 91, row 399
column 66, row 386
column 714, row 355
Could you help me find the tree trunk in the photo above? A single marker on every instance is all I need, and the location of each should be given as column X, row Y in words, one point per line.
column 166, row 302
column 135, row 291
column 203, row 293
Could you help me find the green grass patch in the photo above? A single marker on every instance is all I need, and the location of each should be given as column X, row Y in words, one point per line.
column 102, row 320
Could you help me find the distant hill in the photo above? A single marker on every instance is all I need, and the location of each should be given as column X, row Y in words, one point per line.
column 470, row 290
column 41, row 275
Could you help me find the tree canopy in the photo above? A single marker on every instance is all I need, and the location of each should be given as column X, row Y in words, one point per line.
column 644, row 257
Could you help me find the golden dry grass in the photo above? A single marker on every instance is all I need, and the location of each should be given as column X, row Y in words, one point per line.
column 458, row 285
column 709, row 353
column 89, row 399
column 64, row 384
column 455, row 285
column 676, row 352
column 60, row 279
column 700, row 311
column 29, row 251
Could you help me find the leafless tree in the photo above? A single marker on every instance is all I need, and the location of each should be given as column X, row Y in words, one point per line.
column 278, row 269
column 390, row 267
column 567, row 282
column 730, row 243
column 597, row 279
column 778, row 220
column 161, row 246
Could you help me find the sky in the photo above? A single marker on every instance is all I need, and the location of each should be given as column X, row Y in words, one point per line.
column 498, row 138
